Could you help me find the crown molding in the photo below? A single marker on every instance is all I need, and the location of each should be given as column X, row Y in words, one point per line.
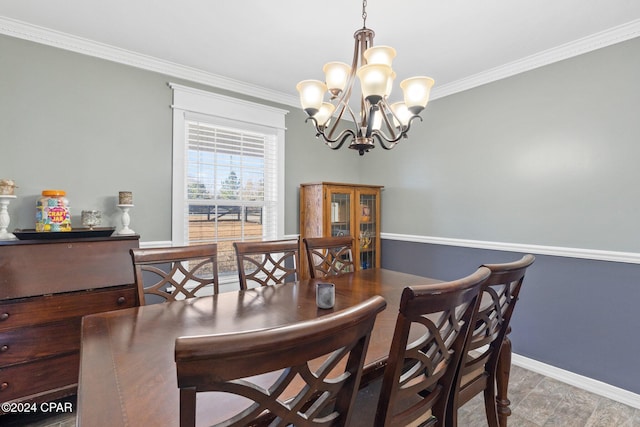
column 587, row 44
column 592, row 254
column 26, row 31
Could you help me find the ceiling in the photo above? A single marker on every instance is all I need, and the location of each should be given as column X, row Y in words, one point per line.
column 275, row 44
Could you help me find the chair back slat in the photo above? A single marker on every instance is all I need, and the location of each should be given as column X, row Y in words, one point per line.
column 177, row 272
column 267, row 262
column 431, row 329
column 316, row 367
column 329, row 256
column 490, row 322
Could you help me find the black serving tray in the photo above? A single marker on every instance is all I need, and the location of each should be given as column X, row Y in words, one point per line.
column 73, row 234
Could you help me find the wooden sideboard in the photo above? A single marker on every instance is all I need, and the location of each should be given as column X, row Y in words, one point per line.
column 45, row 289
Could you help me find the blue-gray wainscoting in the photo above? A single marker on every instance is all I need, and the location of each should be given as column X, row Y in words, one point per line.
column 579, row 315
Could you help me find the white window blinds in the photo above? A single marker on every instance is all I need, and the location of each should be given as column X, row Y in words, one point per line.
column 231, row 188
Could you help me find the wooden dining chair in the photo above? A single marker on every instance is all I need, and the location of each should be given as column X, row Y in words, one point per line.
column 267, row 262
column 315, row 368
column 329, row 256
column 488, row 341
column 170, row 273
column 429, row 336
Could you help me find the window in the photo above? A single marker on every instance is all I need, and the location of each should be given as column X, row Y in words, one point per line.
column 228, row 174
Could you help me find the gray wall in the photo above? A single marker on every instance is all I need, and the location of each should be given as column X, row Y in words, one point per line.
column 547, row 157
column 575, row 314
column 93, row 127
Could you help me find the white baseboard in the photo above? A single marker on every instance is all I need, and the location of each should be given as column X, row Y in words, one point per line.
column 585, row 383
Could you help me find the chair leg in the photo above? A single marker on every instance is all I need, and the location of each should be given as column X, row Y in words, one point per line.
column 490, row 407
column 438, row 413
column 451, row 415
column 503, row 371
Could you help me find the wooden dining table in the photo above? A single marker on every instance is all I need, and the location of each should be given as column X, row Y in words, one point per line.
column 127, row 367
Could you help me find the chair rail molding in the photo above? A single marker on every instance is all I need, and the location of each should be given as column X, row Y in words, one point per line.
column 156, row 244
column 592, row 254
column 26, row 31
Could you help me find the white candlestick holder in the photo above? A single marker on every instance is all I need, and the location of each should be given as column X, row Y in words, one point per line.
column 126, row 220
column 5, row 220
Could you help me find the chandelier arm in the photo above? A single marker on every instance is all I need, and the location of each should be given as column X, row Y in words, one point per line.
column 345, row 95
column 333, row 127
column 381, row 137
column 339, row 141
column 346, row 106
column 328, row 140
column 372, row 110
column 406, row 128
column 381, row 140
column 384, row 107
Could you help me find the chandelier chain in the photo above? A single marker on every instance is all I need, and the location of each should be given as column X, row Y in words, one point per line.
column 364, row 13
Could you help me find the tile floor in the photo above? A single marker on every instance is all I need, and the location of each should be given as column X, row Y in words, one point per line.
column 536, row 401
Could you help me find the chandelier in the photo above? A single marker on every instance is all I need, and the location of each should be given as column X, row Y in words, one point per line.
column 377, row 119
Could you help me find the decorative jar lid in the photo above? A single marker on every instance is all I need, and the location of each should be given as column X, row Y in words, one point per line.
column 54, row 193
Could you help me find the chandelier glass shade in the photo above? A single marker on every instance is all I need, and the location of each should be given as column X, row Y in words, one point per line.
column 377, row 119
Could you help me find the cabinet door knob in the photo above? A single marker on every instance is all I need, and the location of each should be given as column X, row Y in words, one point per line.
column 4, row 316
column 4, row 348
column 121, row 300
column 4, row 386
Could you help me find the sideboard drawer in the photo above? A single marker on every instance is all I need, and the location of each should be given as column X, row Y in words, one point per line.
column 52, row 308
column 33, row 268
column 49, row 339
column 27, row 379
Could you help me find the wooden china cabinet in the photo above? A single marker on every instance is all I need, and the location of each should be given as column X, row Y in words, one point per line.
column 337, row 209
column 46, row 286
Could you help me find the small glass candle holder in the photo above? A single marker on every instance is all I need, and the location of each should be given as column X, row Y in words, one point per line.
column 325, row 295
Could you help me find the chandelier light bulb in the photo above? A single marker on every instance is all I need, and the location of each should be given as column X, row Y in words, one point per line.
column 311, row 95
column 376, row 123
column 416, row 92
column 374, row 79
column 380, row 55
column 387, row 92
column 336, row 76
column 401, row 113
column 324, row 114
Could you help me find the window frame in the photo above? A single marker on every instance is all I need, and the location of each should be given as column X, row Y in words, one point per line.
column 190, row 103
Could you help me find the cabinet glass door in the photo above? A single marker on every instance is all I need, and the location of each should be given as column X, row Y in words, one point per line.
column 367, row 233
column 340, row 214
